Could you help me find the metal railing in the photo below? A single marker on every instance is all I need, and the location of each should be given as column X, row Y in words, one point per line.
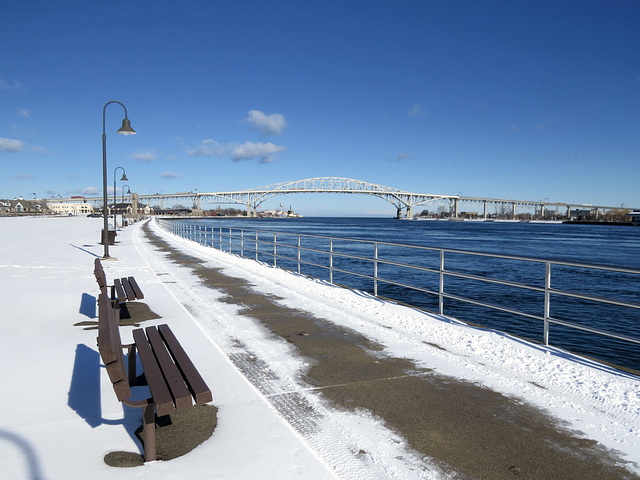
column 299, row 252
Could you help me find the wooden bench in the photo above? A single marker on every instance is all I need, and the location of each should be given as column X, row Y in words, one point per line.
column 123, row 289
column 173, row 381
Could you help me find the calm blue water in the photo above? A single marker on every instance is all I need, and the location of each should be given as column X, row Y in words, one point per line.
column 607, row 245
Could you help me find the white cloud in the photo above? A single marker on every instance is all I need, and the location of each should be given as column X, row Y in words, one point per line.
column 402, row 156
column 22, row 113
column 148, row 156
column 89, row 191
column 207, row 148
column 170, row 175
column 415, row 110
column 4, row 85
column 38, row 149
column 265, row 152
column 11, row 145
column 267, row 124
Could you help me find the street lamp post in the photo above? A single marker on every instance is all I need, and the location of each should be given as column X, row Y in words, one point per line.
column 128, row 193
column 125, row 129
column 115, row 210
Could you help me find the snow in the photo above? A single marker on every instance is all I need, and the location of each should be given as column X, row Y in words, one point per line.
column 60, row 415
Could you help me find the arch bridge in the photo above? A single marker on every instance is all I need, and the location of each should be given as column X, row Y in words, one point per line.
column 254, row 197
column 402, row 200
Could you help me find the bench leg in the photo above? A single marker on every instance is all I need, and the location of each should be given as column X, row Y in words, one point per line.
column 131, row 357
column 149, row 432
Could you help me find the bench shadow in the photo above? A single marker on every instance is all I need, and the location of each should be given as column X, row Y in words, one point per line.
column 131, row 313
column 176, row 434
column 85, row 394
column 84, row 391
column 88, row 305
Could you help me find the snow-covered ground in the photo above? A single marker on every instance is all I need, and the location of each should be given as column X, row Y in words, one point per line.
column 60, row 416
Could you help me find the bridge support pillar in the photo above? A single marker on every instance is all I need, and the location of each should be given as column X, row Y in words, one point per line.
column 513, row 211
column 409, row 212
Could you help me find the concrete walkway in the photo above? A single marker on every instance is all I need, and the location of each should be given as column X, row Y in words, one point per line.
column 470, row 431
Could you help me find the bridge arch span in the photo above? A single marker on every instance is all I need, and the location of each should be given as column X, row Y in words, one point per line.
column 398, row 198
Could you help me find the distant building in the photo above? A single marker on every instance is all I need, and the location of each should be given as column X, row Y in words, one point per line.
column 21, row 207
column 75, row 208
column 172, row 211
column 635, row 217
column 582, row 214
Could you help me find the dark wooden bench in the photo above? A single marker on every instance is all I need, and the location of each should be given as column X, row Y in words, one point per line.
column 173, row 381
column 123, row 289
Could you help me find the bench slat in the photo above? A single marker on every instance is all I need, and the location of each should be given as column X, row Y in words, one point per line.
column 101, row 278
column 127, row 288
column 136, row 289
column 196, row 383
column 122, row 295
column 158, row 387
column 175, row 382
column 124, row 289
column 110, row 348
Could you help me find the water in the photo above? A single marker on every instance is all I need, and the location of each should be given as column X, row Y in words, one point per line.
column 594, row 244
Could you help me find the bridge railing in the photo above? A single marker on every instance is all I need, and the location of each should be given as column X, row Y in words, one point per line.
column 443, row 280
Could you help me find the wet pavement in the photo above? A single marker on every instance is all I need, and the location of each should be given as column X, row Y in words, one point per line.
column 467, row 430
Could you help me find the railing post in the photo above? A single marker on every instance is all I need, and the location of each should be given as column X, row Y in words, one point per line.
column 256, row 245
column 375, row 269
column 547, row 301
column 275, row 249
column 242, row 243
column 441, row 287
column 230, row 240
column 331, row 260
column 299, row 252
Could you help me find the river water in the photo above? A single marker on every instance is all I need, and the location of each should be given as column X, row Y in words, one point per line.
column 593, row 244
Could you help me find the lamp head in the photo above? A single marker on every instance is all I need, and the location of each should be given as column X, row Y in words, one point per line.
column 124, row 177
column 126, row 129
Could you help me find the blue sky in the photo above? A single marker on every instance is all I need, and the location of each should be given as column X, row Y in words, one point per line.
column 513, row 99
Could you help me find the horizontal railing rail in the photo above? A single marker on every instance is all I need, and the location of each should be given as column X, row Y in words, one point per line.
column 334, row 256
